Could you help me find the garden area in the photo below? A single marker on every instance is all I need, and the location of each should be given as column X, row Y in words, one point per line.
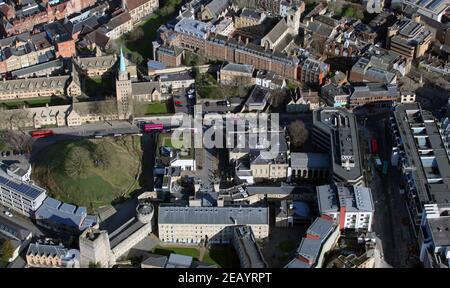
column 138, row 43
column 154, row 108
column 37, row 102
column 222, row 256
column 208, row 88
column 98, row 86
column 166, row 251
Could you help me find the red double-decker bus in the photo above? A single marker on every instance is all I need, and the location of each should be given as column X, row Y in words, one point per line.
column 41, row 134
column 153, row 127
column 374, row 145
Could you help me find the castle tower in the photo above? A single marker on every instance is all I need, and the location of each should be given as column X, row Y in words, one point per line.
column 123, row 90
column 95, row 248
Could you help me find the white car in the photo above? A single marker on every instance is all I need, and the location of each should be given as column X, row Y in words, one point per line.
column 7, row 213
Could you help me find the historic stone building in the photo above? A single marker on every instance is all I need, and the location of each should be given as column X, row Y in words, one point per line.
column 123, row 90
column 39, row 87
column 139, row 9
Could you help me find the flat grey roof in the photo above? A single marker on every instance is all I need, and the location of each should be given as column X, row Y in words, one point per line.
column 440, row 230
column 341, row 127
column 179, row 261
column 64, row 214
column 310, row 160
column 410, row 117
column 169, row 214
column 354, row 198
column 284, row 189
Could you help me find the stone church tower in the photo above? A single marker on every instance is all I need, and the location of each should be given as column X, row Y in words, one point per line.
column 293, row 19
column 123, row 90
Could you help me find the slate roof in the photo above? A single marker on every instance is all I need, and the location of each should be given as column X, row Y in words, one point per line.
column 47, row 250
column 251, row 13
column 217, row 6
column 243, row 68
column 30, row 70
column 280, row 28
column 106, row 61
column 141, row 88
column 118, row 20
column 155, row 260
column 13, row 230
column 34, row 83
column 213, row 215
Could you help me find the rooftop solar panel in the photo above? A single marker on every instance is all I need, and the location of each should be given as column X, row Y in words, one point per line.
column 423, row 2
column 435, row 4
column 26, row 189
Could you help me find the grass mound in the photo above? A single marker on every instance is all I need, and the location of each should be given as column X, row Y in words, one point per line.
column 91, row 172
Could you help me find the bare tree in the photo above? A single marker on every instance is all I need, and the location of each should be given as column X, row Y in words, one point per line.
column 19, row 141
column 298, row 133
column 112, row 47
column 76, row 162
column 136, row 34
column 104, row 109
column 15, row 120
column 318, row 45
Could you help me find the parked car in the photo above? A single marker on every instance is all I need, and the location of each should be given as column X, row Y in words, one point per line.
column 7, row 213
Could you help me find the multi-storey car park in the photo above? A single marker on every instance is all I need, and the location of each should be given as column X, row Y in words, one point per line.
column 335, row 131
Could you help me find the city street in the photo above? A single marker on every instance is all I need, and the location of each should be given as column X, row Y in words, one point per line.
column 390, row 208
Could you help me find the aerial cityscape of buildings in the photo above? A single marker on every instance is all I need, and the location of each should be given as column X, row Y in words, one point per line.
column 224, row 134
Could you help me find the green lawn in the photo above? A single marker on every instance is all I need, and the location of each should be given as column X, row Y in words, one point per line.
column 108, row 169
column 37, row 102
column 98, row 86
column 3, row 264
column 222, row 256
column 156, row 108
column 143, row 46
column 207, row 87
column 166, row 141
column 193, row 252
